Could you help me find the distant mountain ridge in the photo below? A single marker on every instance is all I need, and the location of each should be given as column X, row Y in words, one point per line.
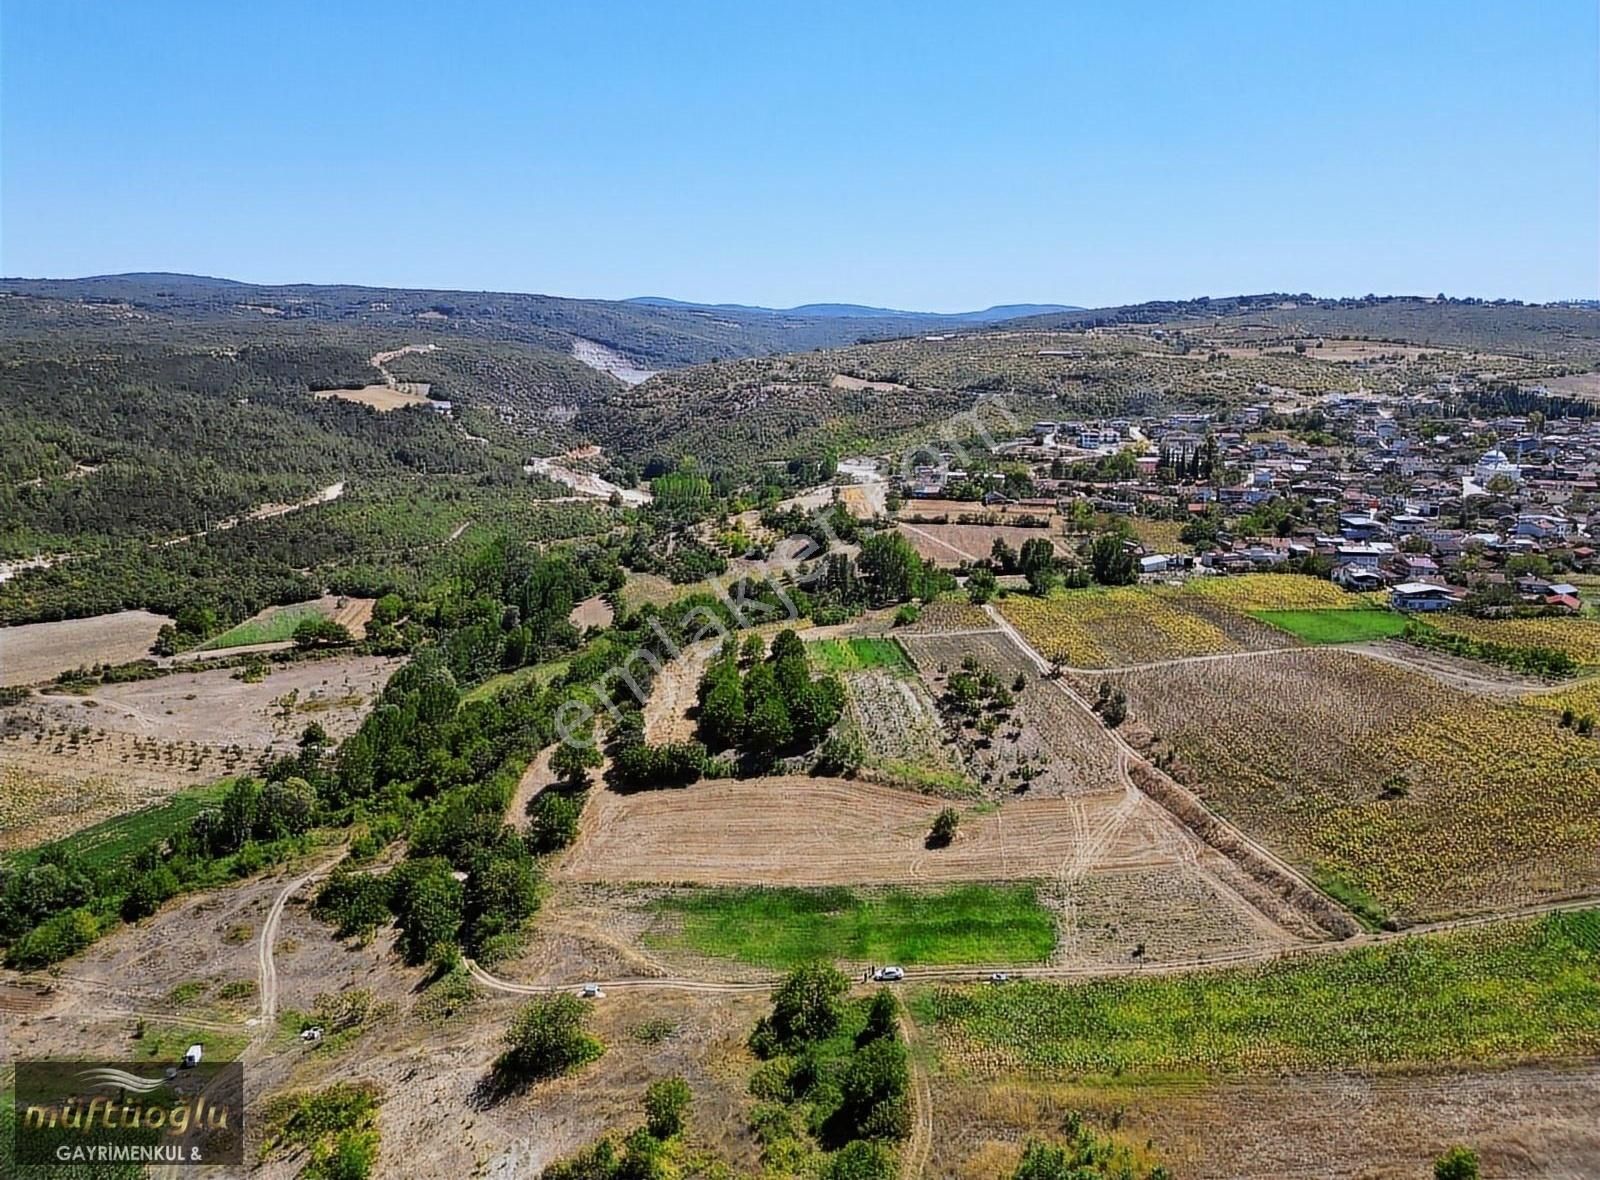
column 989, row 315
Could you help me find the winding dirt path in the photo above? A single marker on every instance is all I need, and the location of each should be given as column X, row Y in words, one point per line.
column 919, row 1147
column 266, row 966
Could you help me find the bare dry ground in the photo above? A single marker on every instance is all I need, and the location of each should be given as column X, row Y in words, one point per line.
column 68, row 761
column 591, row 612
column 171, row 972
column 1533, row 1121
column 215, row 707
column 794, row 830
column 951, row 544
column 1585, row 385
column 39, row 651
column 673, row 695
column 382, row 398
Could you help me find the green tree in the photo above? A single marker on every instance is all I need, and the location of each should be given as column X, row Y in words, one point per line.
column 862, row 1159
column 807, row 1006
column 944, row 827
column 552, row 821
column 722, row 714
column 239, row 809
column 284, row 809
column 981, row 586
column 770, row 729
column 320, row 632
column 1111, row 562
column 500, row 896
column 665, row 1103
column 546, row 1039
column 573, row 760
column 1003, row 556
column 428, row 903
column 873, row 1092
column 890, row 568
column 1459, row 1163
column 882, row 1016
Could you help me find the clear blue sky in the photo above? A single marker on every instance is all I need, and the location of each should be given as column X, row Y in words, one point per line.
column 925, row 155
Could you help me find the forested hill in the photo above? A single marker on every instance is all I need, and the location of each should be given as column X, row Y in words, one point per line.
column 1532, row 329
column 654, row 335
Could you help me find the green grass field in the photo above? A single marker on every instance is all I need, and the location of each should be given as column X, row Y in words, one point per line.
column 277, row 627
column 1335, row 626
column 850, row 655
column 540, row 674
column 1508, row 992
column 120, row 837
column 782, row 928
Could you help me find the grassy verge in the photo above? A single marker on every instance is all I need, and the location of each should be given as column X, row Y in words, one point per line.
column 922, row 776
column 1357, row 900
column 540, row 674
column 1508, row 992
column 167, row 1043
column 114, row 840
column 1335, row 626
column 276, row 627
column 850, row 655
column 782, row 928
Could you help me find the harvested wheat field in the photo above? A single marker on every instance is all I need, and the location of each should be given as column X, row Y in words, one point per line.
column 382, row 398
column 41, row 651
column 793, row 830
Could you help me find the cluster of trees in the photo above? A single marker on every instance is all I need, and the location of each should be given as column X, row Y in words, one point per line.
column 637, row 764
column 1110, row 561
column 56, row 904
column 546, row 1038
column 766, row 705
column 1192, row 464
column 383, row 535
column 841, row 1066
column 673, row 553
column 1036, row 561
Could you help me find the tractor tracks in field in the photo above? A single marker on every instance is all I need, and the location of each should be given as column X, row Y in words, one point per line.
column 1256, row 861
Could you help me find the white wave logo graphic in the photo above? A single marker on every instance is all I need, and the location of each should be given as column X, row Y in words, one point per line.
column 122, row 1080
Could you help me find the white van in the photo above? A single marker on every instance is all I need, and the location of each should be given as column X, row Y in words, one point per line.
column 192, row 1057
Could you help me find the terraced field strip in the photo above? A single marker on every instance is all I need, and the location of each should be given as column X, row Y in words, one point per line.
column 1509, row 992
column 106, row 844
column 782, row 928
column 857, row 653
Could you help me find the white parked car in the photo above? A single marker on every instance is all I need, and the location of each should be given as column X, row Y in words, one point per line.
column 591, row 991
column 999, row 977
column 889, row 974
